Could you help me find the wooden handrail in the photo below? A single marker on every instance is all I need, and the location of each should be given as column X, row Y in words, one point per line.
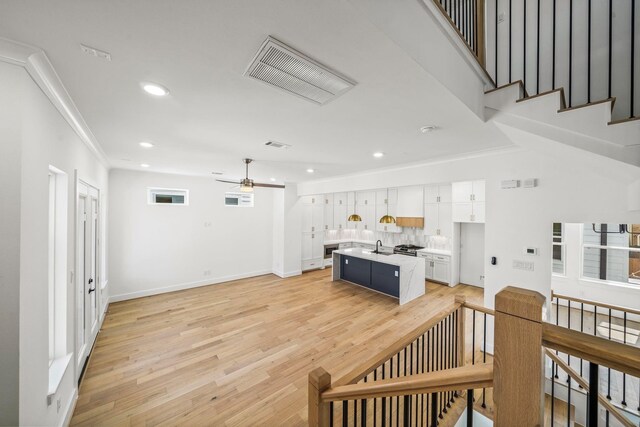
column 599, row 304
column 621, row 357
column 480, row 308
column 585, row 385
column 366, row 367
column 463, row 378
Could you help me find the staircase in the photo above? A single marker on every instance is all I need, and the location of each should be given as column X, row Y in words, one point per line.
column 441, row 375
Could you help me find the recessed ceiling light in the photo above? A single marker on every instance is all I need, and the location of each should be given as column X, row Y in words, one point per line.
column 144, row 165
column 378, row 154
column 155, row 89
column 310, row 170
column 272, row 179
column 146, row 145
column 428, row 128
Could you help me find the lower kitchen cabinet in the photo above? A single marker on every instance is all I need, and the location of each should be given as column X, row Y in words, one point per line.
column 437, row 267
column 312, row 251
column 355, row 270
column 385, row 278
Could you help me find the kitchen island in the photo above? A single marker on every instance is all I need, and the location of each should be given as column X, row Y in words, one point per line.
column 398, row 276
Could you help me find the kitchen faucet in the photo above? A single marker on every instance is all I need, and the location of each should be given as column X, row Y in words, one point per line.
column 377, row 250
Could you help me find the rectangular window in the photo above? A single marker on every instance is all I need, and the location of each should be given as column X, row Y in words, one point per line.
column 51, row 286
column 239, row 200
column 611, row 252
column 168, row 196
column 558, row 251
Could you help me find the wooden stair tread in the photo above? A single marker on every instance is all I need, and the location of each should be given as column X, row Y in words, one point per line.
column 629, row 119
column 612, row 100
column 563, row 103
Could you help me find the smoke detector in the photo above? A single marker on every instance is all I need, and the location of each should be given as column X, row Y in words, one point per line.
column 428, row 128
column 283, row 67
column 275, row 144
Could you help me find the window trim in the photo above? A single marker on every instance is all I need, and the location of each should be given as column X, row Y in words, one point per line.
column 155, row 190
column 563, row 246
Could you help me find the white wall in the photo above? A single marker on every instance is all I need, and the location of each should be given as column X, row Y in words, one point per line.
column 161, row 248
column 10, row 160
column 287, row 245
column 45, row 138
column 573, row 186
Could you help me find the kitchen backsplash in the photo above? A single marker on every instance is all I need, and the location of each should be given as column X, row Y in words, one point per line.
column 409, row 235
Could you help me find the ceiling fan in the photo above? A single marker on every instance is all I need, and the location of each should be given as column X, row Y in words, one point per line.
column 246, row 184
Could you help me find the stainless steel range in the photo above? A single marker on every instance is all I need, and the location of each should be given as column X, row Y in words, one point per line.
column 410, row 250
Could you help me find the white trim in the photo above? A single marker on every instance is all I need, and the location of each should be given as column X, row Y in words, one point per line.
column 37, row 64
column 458, row 43
column 284, row 275
column 56, row 373
column 188, row 285
column 71, row 407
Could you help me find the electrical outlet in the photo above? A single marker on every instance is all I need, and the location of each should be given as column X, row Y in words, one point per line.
column 501, row 17
column 207, row 272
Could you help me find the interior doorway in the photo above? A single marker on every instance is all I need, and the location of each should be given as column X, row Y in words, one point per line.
column 87, row 271
column 472, row 254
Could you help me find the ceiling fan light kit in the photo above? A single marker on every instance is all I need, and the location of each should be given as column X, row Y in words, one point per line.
column 247, row 185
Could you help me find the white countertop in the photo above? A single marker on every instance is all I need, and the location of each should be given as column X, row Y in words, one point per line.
column 338, row 241
column 393, row 259
column 435, row 251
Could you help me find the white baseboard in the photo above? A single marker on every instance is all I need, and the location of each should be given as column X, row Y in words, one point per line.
column 287, row 274
column 71, row 407
column 182, row 286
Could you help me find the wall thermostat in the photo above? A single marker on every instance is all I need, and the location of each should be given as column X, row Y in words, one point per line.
column 531, row 251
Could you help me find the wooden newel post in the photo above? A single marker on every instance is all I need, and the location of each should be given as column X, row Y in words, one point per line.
column 518, row 377
column 461, row 330
column 319, row 381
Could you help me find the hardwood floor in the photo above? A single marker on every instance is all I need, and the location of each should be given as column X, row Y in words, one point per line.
column 239, row 353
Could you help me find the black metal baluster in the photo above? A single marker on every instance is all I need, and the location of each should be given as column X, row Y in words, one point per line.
column 610, row 41
column 484, row 356
column 496, row 41
column 510, row 16
column 592, row 396
column 568, row 327
column 363, row 413
column 609, row 369
column 397, row 397
column 405, row 410
column 355, row 413
column 473, row 338
column 588, row 72
column 624, row 376
column 345, row 413
column 570, row 52
column 633, row 56
column 557, row 322
column 538, row 48
column 524, row 44
column 568, row 400
column 581, row 327
column 470, row 408
column 331, row 413
column 434, row 405
column 383, row 415
column 375, row 400
column 553, row 390
column 553, row 56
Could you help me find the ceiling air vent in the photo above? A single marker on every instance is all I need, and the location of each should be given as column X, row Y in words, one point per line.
column 285, row 68
column 275, row 144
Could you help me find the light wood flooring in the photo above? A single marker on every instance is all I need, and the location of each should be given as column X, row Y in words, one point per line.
column 239, row 353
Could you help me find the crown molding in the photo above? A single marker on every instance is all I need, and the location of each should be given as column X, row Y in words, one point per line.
column 38, row 66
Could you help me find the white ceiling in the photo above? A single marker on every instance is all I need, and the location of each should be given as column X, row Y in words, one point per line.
column 214, row 116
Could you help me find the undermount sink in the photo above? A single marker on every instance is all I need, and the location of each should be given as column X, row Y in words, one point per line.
column 381, row 253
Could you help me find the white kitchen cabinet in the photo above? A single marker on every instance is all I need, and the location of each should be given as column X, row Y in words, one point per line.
column 312, row 214
column 368, row 215
column 328, row 212
column 437, row 267
column 411, row 201
column 468, row 201
column 438, row 219
column 437, row 193
column 366, row 198
column 339, row 217
column 442, row 269
column 312, row 250
column 382, row 208
column 352, row 207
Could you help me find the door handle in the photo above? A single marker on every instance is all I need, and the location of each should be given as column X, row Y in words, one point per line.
column 92, row 289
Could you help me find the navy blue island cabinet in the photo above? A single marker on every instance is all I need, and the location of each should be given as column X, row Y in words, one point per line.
column 384, row 278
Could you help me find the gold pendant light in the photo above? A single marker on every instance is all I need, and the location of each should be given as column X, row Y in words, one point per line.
column 387, row 219
column 354, row 217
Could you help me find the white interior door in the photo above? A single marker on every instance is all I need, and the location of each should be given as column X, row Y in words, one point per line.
column 472, row 254
column 87, row 271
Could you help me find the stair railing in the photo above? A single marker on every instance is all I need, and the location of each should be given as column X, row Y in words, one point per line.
column 586, row 47
column 610, row 322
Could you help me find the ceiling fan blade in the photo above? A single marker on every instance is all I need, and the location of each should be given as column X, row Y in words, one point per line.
column 228, row 182
column 259, row 184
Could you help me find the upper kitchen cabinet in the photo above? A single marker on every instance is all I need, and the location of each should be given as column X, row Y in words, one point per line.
column 312, row 213
column 411, row 201
column 468, row 201
column 352, row 208
column 387, row 203
column 366, row 198
column 328, row 212
column 437, row 193
column 340, row 211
